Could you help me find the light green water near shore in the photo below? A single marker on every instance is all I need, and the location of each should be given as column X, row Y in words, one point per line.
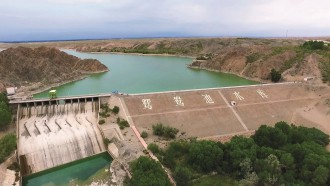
column 141, row 74
column 75, row 173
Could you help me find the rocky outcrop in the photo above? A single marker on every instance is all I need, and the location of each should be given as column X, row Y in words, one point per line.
column 43, row 66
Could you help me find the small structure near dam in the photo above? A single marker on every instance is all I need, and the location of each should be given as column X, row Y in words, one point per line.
column 52, row 132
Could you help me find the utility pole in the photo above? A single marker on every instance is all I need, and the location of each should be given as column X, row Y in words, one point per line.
column 286, row 34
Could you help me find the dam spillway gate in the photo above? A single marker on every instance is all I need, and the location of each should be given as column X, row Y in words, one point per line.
column 56, row 132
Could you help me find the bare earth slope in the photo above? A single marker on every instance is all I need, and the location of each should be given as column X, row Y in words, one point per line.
column 42, row 66
column 251, row 58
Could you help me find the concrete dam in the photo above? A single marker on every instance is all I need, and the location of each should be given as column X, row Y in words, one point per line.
column 56, row 132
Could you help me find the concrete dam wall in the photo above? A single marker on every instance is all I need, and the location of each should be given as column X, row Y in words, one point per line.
column 55, row 133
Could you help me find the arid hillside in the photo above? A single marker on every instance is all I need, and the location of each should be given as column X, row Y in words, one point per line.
column 252, row 58
column 42, row 66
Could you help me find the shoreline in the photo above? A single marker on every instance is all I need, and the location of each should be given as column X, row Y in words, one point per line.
column 21, row 93
column 133, row 53
column 258, row 80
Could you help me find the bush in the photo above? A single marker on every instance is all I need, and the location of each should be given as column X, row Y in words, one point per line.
column 122, row 124
column 7, row 146
column 106, row 141
column 105, row 107
column 144, row 134
column 154, row 148
column 102, row 121
column 182, row 176
column 165, row 131
column 275, row 75
column 313, row 45
column 147, row 172
column 252, row 57
column 115, row 110
column 5, row 113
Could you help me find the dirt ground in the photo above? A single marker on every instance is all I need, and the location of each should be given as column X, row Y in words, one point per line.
column 207, row 113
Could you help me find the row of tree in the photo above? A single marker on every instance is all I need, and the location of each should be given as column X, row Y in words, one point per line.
column 5, row 113
column 284, row 154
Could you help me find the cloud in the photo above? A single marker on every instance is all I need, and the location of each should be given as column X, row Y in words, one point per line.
column 131, row 18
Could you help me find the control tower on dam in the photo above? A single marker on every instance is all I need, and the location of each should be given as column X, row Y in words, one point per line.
column 52, row 132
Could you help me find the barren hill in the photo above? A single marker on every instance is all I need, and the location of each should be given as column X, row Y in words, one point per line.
column 252, row 58
column 42, row 67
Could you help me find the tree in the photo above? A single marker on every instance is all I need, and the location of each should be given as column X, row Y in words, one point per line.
column 205, row 156
column 275, row 76
column 147, row 172
column 154, row 148
column 5, row 115
column 270, row 137
column 236, row 151
column 182, row 176
column 320, row 176
column 144, row 134
column 115, row 110
column 168, row 132
column 269, row 170
column 4, row 98
column 313, row 45
column 250, row 177
column 7, row 146
column 287, row 161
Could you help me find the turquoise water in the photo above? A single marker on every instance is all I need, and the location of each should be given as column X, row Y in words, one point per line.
column 141, row 74
column 79, row 171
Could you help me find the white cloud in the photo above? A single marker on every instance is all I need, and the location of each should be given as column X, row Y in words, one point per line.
column 185, row 17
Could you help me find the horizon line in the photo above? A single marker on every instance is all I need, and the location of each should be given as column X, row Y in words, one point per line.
column 160, row 37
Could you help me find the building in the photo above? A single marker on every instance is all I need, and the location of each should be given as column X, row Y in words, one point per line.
column 11, row 90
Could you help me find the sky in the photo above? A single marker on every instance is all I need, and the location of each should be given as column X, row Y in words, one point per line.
column 23, row 20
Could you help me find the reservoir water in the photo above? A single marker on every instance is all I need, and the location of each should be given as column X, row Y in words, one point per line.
column 141, row 74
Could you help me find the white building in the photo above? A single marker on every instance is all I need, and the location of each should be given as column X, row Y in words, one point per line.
column 11, row 91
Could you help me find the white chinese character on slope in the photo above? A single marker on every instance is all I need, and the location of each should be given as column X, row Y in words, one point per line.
column 178, row 101
column 147, row 103
column 262, row 93
column 238, row 97
column 208, row 99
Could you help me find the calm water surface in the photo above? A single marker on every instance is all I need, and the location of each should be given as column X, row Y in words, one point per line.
column 141, row 74
column 80, row 170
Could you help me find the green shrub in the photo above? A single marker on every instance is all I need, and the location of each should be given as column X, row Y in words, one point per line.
column 123, row 123
column 154, row 148
column 105, row 107
column 275, row 75
column 7, row 146
column 313, row 45
column 5, row 113
column 102, row 121
column 147, row 172
column 168, row 132
column 144, row 134
column 252, row 57
column 182, row 176
column 115, row 110
column 106, row 141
